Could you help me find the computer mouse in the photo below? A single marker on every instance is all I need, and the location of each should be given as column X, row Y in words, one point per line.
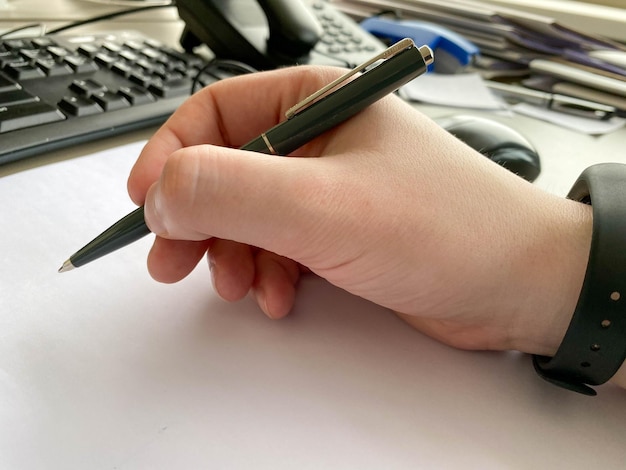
column 498, row 142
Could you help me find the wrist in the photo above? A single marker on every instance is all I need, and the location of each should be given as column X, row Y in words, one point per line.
column 556, row 276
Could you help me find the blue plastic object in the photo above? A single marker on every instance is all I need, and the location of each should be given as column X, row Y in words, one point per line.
column 423, row 33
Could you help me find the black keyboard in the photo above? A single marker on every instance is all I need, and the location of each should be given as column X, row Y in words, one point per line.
column 57, row 91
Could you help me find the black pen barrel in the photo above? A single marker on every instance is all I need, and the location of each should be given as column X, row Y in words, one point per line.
column 125, row 231
column 351, row 98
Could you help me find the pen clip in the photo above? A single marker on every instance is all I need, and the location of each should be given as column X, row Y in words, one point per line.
column 391, row 51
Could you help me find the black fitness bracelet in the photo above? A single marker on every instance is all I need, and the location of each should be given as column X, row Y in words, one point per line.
column 594, row 346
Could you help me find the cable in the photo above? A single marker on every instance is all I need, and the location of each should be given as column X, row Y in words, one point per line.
column 109, row 16
column 226, row 65
column 41, row 26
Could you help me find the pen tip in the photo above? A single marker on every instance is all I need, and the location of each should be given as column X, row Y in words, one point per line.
column 67, row 266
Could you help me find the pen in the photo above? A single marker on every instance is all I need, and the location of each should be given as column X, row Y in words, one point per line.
column 554, row 101
column 321, row 111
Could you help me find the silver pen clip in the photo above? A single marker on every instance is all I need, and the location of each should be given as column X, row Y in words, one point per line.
column 391, row 51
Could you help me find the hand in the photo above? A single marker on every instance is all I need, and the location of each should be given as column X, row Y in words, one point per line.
column 390, row 208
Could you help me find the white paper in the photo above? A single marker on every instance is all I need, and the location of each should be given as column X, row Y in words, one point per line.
column 465, row 90
column 103, row 368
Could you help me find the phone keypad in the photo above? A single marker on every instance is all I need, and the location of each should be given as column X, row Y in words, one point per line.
column 343, row 39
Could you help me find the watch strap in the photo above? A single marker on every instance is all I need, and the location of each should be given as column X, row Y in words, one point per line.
column 594, row 346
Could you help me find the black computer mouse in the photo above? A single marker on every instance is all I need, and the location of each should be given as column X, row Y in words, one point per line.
column 496, row 141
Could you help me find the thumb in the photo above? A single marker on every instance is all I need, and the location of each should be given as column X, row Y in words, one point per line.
column 262, row 200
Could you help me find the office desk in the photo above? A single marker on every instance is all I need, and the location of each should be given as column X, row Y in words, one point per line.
column 102, row 368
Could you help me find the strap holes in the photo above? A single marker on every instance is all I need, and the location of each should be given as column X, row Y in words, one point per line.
column 615, row 296
column 605, row 323
column 585, row 364
column 595, row 347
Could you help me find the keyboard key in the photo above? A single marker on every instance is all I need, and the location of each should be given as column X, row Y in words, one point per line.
column 43, row 42
column 79, row 106
column 112, row 47
column 129, row 56
column 80, row 64
column 147, row 65
column 52, row 68
column 34, row 54
column 89, row 50
column 87, row 87
column 23, row 71
column 153, row 43
column 150, row 53
column 106, row 60
column 58, row 52
column 170, row 88
column 123, row 69
column 16, row 44
column 110, row 101
column 136, row 95
column 187, row 59
column 141, row 78
column 9, row 57
column 6, row 84
column 27, row 115
column 16, row 96
column 134, row 45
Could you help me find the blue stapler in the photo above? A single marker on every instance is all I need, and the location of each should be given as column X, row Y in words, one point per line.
column 457, row 52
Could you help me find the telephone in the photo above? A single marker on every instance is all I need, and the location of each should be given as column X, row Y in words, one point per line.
column 267, row 34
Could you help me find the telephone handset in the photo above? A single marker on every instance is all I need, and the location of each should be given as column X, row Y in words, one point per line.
column 271, row 33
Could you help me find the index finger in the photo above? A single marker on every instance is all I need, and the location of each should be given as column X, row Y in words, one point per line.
column 227, row 113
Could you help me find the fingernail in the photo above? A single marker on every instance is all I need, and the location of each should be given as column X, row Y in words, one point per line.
column 152, row 214
column 213, row 277
column 261, row 300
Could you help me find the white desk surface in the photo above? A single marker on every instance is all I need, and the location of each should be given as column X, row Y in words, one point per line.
column 103, row 368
